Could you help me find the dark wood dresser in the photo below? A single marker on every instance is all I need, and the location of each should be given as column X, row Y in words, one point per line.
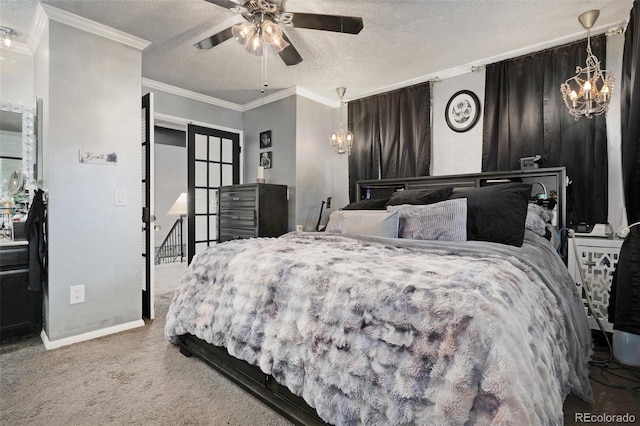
column 252, row 210
column 20, row 308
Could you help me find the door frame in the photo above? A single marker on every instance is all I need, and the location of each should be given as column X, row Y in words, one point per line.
column 148, row 211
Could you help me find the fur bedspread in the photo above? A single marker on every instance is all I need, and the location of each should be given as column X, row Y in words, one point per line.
column 380, row 331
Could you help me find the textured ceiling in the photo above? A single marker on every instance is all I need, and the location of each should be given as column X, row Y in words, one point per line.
column 403, row 42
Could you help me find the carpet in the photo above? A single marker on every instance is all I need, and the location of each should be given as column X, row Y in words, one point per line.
column 134, row 378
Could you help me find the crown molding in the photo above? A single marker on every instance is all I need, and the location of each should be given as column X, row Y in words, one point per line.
column 94, row 27
column 281, row 94
column 152, row 84
column 37, row 28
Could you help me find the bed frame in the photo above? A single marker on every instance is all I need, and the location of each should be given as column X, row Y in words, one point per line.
column 263, row 386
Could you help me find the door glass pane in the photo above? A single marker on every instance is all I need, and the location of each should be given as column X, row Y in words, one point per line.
column 201, row 173
column 200, row 247
column 201, row 201
column 201, row 147
column 201, row 228
column 227, row 174
column 227, row 150
column 214, row 175
column 214, row 148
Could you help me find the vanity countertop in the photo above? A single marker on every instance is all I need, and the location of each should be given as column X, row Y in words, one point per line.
column 4, row 243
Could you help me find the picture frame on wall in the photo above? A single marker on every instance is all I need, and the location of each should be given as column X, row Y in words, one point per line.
column 266, row 159
column 265, row 139
column 462, row 111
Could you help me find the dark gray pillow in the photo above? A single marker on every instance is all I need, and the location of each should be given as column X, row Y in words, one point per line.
column 371, row 204
column 496, row 213
column 420, row 196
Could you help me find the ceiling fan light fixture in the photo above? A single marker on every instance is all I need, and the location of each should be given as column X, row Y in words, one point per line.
column 254, row 45
column 243, row 32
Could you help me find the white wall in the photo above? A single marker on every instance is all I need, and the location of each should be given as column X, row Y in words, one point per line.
column 16, row 78
column 94, row 104
column 453, row 152
column 280, row 118
column 317, row 165
column 170, row 182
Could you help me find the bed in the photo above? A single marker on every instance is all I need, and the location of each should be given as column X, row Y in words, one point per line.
column 357, row 326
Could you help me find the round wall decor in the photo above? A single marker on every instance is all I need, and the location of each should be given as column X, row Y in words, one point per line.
column 463, row 111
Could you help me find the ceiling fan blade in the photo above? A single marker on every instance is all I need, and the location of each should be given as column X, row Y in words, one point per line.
column 289, row 54
column 339, row 24
column 215, row 39
column 224, row 3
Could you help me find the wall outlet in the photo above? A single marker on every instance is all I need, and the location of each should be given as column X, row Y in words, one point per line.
column 76, row 294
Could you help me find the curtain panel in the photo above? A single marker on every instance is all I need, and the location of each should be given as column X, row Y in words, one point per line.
column 525, row 115
column 630, row 115
column 392, row 135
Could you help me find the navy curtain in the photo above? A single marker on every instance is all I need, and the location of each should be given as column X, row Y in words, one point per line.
column 392, row 135
column 525, row 115
column 630, row 115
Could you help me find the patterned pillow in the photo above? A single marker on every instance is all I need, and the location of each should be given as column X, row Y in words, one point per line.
column 537, row 219
column 446, row 220
column 336, row 221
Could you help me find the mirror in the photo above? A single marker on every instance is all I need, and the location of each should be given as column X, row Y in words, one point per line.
column 18, row 146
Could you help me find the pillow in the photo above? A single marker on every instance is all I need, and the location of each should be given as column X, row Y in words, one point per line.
column 336, row 220
column 496, row 213
column 446, row 220
column 537, row 218
column 370, row 204
column 370, row 222
column 420, row 196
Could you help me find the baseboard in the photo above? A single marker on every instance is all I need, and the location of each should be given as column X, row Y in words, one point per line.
column 48, row 344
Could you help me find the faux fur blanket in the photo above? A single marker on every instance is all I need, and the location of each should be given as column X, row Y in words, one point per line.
column 389, row 331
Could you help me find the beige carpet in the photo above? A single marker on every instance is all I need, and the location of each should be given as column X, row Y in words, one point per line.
column 131, row 378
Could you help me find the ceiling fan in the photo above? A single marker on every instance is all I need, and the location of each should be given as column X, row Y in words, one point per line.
column 264, row 21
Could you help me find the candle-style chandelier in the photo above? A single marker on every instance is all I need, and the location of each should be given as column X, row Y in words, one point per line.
column 342, row 138
column 588, row 93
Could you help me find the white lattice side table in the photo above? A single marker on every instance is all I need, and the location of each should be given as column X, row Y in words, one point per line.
column 598, row 258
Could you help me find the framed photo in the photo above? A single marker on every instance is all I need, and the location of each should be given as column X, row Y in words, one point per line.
column 265, row 139
column 463, row 111
column 266, row 159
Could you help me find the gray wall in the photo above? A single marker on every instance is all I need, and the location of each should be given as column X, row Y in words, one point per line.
column 94, row 104
column 317, row 165
column 280, row 118
column 16, row 78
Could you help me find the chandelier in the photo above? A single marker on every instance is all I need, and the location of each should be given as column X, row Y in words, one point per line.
column 6, row 37
column 342, row 138
column 588, row 93
column 259, row 32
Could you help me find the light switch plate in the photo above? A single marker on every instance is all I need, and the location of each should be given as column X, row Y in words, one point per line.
column 120, row 197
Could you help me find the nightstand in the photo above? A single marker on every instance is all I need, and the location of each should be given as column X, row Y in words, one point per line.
column 598, row 258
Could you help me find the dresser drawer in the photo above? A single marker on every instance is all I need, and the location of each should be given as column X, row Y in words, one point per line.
column 14, row 257
column 227, row 234
column 238, row 198
column 237, row 218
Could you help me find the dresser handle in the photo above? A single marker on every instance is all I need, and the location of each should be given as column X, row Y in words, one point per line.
column 235, row 217
column 236, row 198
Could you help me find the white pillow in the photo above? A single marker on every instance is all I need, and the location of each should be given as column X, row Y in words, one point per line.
column 336, row 220
column 377, row 223
column 446, row 220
